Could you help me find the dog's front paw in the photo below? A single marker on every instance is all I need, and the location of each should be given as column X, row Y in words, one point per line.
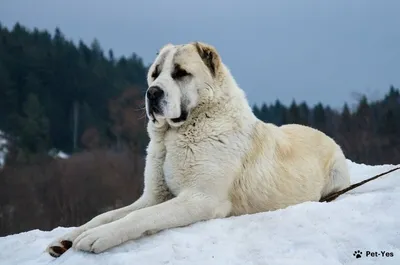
column 59, row 246
column 97, row 240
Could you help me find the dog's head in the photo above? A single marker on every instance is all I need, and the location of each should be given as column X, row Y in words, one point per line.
column 181, row 78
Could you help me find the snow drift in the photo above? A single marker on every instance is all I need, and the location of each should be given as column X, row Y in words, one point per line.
column 360, row 227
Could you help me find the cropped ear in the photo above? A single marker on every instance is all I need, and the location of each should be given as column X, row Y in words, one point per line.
column 209, row 56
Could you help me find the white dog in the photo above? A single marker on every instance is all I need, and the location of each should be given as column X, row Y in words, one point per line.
column 210, row 157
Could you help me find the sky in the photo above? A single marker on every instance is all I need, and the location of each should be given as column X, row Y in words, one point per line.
column 304, row 50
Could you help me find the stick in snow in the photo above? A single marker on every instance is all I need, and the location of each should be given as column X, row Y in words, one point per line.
column 332, row 196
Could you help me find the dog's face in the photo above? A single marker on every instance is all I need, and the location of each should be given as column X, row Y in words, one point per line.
column 180, row 78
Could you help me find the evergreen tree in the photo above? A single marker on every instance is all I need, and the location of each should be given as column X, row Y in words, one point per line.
column 264, row 113
column 293, row 115
column 33, row 126
column 363, row 114
column 345, row 119
column 319, row 119
column 278, row 113
column 256, row 111
column 304, row 113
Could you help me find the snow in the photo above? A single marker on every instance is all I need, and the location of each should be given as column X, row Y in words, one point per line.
column 63, row 155
column 365, row 219
column 57, row 153
column 3, row 151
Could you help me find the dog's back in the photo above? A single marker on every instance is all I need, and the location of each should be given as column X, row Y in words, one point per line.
column 287, row 165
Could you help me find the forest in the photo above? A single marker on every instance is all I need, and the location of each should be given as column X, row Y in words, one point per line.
column 77, row 98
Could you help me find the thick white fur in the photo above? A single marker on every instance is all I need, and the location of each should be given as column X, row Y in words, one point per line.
column 221, row 161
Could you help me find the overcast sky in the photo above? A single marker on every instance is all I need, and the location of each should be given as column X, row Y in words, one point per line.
column 311, row 50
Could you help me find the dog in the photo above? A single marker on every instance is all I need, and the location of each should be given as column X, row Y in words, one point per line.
column 210, row 157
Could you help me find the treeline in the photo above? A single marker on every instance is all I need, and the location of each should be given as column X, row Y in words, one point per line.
column 55, row 94
column 369, row 133
column 78, row 99
column 53, row 91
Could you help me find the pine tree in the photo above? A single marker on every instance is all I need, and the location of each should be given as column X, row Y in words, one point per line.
column 345, row 120
column 293, row 115
column 363, row 114
column 304, row 113
column 264, row 113
column 319, row 118
column 33, row 128
column 256, row 111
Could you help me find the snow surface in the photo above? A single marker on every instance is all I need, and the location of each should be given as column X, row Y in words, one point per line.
column 366, row 219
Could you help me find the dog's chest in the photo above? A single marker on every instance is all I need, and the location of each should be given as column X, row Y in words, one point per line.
column 180, row 161
column 174, row 176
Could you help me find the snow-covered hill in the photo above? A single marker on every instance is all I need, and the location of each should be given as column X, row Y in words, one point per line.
column 367, row 220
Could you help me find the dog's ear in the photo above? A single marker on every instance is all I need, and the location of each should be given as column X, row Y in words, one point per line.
column 209, row 56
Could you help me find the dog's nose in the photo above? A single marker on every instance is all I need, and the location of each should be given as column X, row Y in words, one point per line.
column 154, row 93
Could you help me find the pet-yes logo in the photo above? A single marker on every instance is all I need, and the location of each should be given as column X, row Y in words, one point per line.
column 383, row 254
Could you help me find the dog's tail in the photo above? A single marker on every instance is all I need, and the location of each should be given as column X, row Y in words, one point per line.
column 332, row 196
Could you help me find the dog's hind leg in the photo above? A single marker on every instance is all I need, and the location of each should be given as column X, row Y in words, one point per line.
column 339, row 176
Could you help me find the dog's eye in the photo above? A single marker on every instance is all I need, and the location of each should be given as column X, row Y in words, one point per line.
column 179, row 73
column 155, row 73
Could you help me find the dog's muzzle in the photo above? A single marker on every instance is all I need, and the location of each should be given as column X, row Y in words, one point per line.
column 154, row 95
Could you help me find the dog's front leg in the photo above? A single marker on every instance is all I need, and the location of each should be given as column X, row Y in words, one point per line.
column 155, row 191
column 185, row 209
